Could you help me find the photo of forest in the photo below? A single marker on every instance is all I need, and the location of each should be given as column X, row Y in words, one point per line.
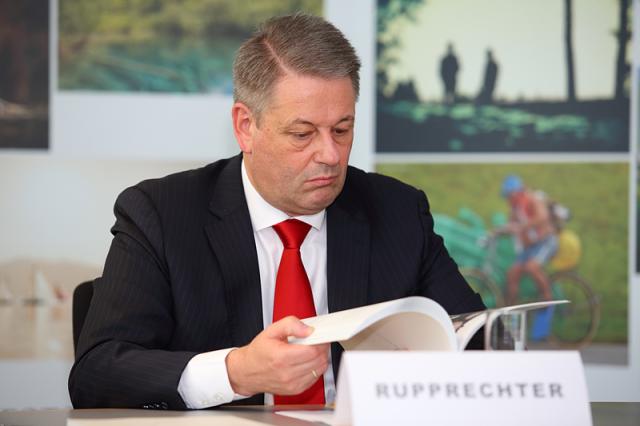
column 24, row 74
column 468, row 76
column 159, row 45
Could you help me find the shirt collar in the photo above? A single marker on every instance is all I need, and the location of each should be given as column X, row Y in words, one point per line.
column 264, row 215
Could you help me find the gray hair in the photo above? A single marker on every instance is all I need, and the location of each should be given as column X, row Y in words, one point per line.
column 299, row 43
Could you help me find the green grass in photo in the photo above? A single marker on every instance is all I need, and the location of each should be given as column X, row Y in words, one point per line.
column 159, row 45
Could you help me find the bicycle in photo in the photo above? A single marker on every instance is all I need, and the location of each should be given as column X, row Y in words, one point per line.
column 573, row 325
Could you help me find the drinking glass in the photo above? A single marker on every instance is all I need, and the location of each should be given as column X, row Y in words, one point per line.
column 506, row 330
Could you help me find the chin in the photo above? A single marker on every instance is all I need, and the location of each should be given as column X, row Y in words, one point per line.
column 323, row 202
column 318, row 199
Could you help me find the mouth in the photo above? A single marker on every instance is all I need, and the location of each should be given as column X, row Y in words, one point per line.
column 320, row 181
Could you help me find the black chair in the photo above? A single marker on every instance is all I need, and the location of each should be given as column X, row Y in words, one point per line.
column 81, row 300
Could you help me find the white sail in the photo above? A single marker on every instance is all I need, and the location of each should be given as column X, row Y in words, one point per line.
column 42, row 291
column 6, row 296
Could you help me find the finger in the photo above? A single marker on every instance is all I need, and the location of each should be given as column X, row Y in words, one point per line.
column 302, row 377
column 288, row 326
column 319, row 364
column 306, row 370
column 291, row 374
column 292, row 355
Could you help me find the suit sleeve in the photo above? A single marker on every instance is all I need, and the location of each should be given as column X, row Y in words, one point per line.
column 440, row 278
column 122, row 358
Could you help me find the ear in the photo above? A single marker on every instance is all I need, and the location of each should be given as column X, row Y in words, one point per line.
column 243, row 121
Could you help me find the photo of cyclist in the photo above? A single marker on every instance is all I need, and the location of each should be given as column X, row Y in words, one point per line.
column 536, row 242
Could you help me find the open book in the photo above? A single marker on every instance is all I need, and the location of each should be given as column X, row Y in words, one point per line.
column 411, row 323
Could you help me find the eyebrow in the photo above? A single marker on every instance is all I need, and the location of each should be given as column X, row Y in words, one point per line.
column 346, row 118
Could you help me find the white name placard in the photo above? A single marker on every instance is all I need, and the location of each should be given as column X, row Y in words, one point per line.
column 461, row 388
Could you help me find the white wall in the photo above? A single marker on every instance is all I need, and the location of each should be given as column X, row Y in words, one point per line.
column 62, row 208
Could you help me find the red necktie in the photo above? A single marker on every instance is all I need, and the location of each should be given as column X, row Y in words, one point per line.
column 293, row 297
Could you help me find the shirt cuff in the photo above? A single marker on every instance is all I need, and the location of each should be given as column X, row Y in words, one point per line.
column 205, row 382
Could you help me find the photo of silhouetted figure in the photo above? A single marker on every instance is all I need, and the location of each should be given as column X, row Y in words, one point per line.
column 448, row 72
column 489, row 83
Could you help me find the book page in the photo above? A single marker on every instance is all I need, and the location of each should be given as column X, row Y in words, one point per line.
column 411, row 323
column 405, row 331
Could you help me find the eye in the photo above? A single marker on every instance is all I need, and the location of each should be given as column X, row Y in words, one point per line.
column 302, row 136
column 338, row 131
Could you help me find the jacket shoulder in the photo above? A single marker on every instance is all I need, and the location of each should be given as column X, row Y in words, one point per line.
column 184, row 181
column 374, row 187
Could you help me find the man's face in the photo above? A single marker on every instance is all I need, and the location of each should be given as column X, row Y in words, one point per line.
column 297, row 155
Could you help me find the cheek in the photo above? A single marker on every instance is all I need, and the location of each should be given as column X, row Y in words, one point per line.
column 267, row 157
column 295, row 166
column 282, row 172
column 292, row 176
column 345, row 152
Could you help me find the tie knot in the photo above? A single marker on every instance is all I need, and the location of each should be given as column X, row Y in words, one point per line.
column 292, row 232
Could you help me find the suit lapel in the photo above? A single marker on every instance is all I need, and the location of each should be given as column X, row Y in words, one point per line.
column 347, row 252
column 231, row 238
column 347, row 260
column 348, row 240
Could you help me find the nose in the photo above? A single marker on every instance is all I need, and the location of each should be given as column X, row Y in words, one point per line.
column 327, row 151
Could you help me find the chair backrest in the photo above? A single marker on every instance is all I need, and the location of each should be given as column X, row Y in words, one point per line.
column 81, row 300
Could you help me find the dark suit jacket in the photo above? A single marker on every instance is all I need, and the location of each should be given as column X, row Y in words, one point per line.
column 182, row 277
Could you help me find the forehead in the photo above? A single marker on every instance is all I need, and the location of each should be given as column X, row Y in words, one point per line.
column 317, row 100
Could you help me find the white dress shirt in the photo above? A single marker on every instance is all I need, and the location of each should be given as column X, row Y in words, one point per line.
column 205, row 382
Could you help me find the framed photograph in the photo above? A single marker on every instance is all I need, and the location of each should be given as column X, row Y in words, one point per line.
column 159, row 45
column 463, row 76
column 24, row 74
column 585, row 208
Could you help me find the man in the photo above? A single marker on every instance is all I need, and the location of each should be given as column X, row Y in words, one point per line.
column 532, row 225
column 448, row 73
column 489, row 81
column 189, row 312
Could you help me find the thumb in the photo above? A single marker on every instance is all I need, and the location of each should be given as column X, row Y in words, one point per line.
column 288, row 326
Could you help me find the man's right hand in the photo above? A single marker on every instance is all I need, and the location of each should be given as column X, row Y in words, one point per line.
column 270, row 364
